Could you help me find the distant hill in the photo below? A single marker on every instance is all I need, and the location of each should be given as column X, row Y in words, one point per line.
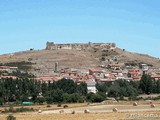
column 44, row 60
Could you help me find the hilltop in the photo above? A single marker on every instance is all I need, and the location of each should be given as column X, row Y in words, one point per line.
column 81, row 56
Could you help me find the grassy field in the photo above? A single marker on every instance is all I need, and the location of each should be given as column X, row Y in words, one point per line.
column 90, row 116
column 126, row 111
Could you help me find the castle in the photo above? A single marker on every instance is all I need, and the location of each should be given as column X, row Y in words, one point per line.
column 79, row 46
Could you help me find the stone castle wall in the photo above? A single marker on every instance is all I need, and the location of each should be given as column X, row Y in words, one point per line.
column 52, row 46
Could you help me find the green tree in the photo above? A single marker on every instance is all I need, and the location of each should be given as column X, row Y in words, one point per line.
column 97, row 97
column 44, row 88
column 158, row 86
column 103, row 87
column 154, row 86
column 40, row 100
column 67, row 85
column 1, row 101
column 114, row 91
column 70, row 98
column 82, row 99
column 131, row 91
column 146, row 84
column 54, row 96
column 82, row 88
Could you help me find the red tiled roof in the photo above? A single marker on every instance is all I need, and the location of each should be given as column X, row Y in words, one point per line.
column 155, row 76
column 4, row 67
column 137, row 77
column 90, row 76
column 134, row 73
column 133, row 70
column 95, row 70
column 115, row 65
column 116, row 71
column 111, row 76
column 127, row 78
column 13, row 77
column 13, row 67
column 5, row 74
column 48, row 78
column 84, row 80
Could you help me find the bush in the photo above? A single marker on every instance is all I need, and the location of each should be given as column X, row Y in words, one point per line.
column 48, row 106
column 49, row 100
column 102, row 58
column 11, row 117
column 156, row 98
column 70, row 98
column 65, row 106
column 82, row 99
column 134, row 98
column 98, row 97
column 40, row 100
column 18, row 102
column 22, row 109
column 131, row 64
column 121, row 97
column 59, row 105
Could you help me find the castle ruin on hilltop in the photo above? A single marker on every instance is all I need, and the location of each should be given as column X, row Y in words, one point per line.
column 79, row 46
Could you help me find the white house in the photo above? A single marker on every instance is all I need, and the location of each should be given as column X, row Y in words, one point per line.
column 91, row 87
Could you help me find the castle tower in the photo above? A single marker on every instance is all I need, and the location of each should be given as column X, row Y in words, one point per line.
column 56, row 67
column 144, row 68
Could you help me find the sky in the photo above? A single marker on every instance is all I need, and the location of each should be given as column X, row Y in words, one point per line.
column 134, row 25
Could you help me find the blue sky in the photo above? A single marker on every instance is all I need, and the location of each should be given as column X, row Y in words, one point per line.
column 133, row 25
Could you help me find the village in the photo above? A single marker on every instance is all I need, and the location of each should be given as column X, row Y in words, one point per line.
column 101, row 74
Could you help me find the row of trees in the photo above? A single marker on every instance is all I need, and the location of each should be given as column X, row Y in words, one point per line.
column 120, row 89
column 65, row 90
column 149, row 85
column 123, row 88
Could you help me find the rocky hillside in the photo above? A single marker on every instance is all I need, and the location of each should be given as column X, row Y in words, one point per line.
column 44, row 60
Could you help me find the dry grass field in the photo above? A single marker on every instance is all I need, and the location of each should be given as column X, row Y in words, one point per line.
column 51, row 107
column 126, row 111
column 90, row 116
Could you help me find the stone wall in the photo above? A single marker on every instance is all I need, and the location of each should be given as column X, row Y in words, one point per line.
column 52, row 46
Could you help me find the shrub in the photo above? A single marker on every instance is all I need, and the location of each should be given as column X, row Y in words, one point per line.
column 98, row 97
column 48, row 106
column 1, row 101
column 121, row 97
column 131, row 64
column 102, row 58
column 18, row 102
column 156, row 98
column 59, row 105
column 40, row 100
column 22, row 109
column 65, row 106
column 135, row 98
column 81, row 99
column 11, row 117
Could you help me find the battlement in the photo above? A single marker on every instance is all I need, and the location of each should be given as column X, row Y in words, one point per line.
column 79, row 46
